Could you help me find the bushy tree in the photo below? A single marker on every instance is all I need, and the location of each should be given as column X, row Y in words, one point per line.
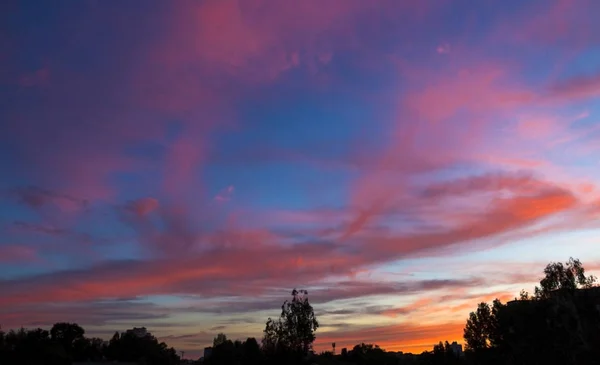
column 476, row 332
column 66, row 334
column 567, row 277
column 220, row 339
column 224, row 351
column 482, row 329
column 366, row 354
column 294, row 332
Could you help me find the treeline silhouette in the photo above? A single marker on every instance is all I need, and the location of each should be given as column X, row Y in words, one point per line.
column 558, row 324
column 66, row 343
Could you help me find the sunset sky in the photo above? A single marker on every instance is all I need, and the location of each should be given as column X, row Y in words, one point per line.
column 183, row 165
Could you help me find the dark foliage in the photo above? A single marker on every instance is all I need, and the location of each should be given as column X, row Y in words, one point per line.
column 565, row 278
column 226, row 352
column 31, row 347
column 65, row 344
column 560, row 324
column 127, row 347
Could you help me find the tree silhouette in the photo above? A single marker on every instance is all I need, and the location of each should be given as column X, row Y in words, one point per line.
column 251, row 352
column 368, row 354
column 128, row 347
column 555, row 325
column 65, row 344
column 66, row 334
column 444, row 355
column 294, row 332
column 566, row 277
column 113, row 350
column 482, row 328
column 31, row 347
column 439, row 353
column 224, row 351
column 476, row 332
column 220, row 339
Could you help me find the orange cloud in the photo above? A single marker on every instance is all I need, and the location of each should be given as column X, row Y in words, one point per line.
column 544, row 204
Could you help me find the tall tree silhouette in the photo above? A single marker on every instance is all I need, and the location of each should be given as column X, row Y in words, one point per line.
column 482, row 328
column 294, row 332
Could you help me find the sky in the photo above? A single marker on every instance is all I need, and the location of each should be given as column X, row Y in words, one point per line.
column 183, row 165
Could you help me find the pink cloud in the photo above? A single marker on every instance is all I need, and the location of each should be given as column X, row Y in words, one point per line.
column 478, row 90
column 490, row 182
column 419, row 304
column 587, row 187
column 532, row 127
column 425, row 135
column 530, row 200
column 263, row 261
column 581, row 87
column 257, row 40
